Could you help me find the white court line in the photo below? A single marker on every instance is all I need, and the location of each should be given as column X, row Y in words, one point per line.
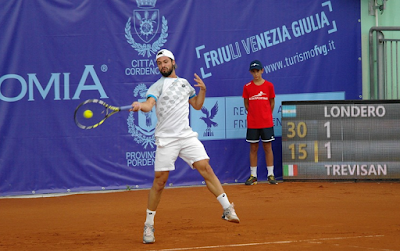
column 270, row 242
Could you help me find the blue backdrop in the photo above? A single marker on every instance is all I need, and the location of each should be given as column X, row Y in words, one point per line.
column 55, row 54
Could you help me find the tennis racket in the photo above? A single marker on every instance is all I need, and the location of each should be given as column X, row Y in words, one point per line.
column 93, row 112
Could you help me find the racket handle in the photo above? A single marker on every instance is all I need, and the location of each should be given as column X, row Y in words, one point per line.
column 125, row 108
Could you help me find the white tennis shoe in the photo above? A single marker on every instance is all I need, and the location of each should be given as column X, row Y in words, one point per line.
column 230, row 214
column 148, row 234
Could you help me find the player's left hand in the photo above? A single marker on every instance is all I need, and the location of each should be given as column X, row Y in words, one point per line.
column 199, row 82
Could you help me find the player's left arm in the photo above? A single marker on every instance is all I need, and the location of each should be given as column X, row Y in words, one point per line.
column 272, row 103
column 272, row 97
column 198, row 101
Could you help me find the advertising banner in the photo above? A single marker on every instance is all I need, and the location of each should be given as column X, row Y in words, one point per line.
column 56, row 54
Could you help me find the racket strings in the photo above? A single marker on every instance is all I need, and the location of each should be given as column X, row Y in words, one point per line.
column 98, row 111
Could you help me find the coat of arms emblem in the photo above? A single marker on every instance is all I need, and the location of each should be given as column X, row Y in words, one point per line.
column 146, row 21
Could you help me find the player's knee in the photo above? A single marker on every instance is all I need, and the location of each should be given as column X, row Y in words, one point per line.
column 160, row 180
column 205, row 170
column 201, row 164
column 254, row 148
column 159, row 185
column 253, row 151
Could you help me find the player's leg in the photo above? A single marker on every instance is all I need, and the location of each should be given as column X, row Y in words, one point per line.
column 164, row 162
column 267, row 136
column 253, row 137
column 214, row 186
column 194, row 153
column 269, row 155
column 212, row 182
column 160, row 179
column 253, row 154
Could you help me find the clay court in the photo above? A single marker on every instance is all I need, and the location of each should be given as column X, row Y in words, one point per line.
column 288, row 216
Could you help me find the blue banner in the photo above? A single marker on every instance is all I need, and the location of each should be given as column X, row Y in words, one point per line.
column 56, row 54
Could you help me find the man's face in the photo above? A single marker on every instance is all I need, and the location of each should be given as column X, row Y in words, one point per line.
column 256, row 73
column 165, row 65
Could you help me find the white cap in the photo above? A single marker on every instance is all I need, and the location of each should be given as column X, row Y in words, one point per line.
column 166, row 53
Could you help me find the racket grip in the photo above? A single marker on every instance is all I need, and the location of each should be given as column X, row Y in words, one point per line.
column 125, row 108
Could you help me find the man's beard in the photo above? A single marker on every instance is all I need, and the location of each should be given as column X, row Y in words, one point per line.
column 166, row 74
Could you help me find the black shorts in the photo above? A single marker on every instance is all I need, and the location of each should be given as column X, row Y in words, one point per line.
column 254, row 135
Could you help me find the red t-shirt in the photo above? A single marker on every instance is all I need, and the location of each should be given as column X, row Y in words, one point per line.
column 259, row 114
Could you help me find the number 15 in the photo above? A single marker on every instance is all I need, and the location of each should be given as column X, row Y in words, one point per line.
column 302, row 151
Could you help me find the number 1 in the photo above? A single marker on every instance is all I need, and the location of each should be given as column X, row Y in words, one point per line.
column 328, row 150
column 328, row 129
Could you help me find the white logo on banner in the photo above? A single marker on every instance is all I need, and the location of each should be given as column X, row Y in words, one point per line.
column 146, row 21
column 142, row 132
column 208, row 119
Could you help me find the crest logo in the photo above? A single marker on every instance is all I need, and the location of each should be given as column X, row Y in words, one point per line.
column 146, row 21
column 143, row 132
column 208, row 119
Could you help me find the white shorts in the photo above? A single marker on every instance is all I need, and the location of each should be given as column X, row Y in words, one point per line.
column 189, row 149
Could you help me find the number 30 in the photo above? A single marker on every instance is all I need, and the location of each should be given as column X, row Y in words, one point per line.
column 301, row 130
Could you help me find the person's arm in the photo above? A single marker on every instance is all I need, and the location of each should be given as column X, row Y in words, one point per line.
column 246, row 104
column 272, row 103
column 145, row 106
column 198, row 101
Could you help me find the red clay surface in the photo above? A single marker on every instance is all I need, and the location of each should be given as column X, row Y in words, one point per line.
column 288, row 216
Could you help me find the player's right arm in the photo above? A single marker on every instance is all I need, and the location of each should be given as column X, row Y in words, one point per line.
column 246, row 104
column 245, row 97
column 145, row 106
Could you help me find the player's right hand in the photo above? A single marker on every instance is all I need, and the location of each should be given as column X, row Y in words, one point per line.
column 135, row 106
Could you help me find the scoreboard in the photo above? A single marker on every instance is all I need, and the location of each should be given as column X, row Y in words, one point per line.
column 341, row 139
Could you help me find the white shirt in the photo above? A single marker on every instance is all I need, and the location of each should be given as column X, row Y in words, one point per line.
column 172, row 108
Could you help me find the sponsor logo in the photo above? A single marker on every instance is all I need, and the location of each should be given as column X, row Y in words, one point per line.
column 15, row 87
column 259, row 96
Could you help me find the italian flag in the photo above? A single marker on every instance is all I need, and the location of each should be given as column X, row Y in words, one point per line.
column 290, row 170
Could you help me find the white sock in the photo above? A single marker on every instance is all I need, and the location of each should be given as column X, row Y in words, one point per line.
column 270, row 170
column 223, row 200
column 150, row 217
column 253, row 170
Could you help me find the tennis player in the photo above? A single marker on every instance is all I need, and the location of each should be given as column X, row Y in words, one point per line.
column 174, row 137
